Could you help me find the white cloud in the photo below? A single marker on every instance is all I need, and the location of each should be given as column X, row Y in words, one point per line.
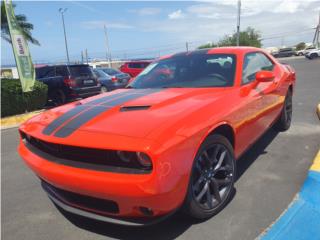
column 99, row 24
column 176, row 14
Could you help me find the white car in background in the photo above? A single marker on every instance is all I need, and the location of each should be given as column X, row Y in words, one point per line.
column 305, row 51
column 313, row 54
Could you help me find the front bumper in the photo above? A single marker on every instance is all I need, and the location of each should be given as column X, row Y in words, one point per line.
column 85, row 212
column 131, row 192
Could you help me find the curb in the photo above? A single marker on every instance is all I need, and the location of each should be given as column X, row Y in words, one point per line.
column 301, row 220
column 15, row 121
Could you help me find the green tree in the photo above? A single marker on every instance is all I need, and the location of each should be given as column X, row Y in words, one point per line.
column 249, row 37
column 207, row 45
column 300, row 46
column 26, row 27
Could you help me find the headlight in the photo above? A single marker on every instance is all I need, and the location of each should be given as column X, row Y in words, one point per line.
column 135, row 158
column 144, row 159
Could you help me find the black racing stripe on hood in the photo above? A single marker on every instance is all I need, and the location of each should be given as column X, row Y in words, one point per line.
column 60, row 120
column 54, row 125
column 77, row 122
column 94, row 111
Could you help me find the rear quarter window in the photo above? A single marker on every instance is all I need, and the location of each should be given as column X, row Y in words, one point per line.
column 45, row 72
column 81, row 71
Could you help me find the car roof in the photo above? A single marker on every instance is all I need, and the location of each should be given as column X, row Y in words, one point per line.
column 218, row 50
column 65, row 65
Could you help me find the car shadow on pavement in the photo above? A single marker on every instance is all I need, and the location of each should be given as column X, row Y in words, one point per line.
column 176, row 224
column 257, row 149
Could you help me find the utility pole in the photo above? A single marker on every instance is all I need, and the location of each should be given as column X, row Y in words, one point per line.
column 315, row 41
column 62, row 11
column 108, row 54
column 187, row 46
column 86, row 53
column 238, row 22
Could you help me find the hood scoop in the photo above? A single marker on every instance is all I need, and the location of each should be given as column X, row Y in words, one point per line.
column 134, row 108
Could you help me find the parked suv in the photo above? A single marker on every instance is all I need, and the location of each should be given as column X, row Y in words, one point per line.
column 313, row 54
column 67, row 82
column 285, row 52
column 133, row 68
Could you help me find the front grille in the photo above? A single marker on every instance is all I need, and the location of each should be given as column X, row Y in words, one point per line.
column 81, row 157
column 96, row 205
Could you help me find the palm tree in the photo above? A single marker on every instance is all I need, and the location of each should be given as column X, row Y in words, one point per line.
column 22, row 21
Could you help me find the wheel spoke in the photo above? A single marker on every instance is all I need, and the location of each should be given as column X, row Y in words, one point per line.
column 222, row 156
column 215, row 153
column 216, row 192
column 206, row 158
column 203, row 191
column 199, row 181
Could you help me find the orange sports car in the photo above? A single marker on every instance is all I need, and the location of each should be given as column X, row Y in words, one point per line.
column 169, row 141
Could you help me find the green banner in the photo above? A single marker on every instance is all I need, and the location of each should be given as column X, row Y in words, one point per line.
column 20, row 49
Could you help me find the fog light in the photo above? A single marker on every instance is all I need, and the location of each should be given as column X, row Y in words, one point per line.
column 146, row 211
column 144, row 159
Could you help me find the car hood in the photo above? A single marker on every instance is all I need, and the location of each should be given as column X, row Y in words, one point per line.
column 126, row 112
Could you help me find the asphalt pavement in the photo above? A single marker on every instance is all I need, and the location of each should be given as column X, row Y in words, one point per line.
column 269, row 176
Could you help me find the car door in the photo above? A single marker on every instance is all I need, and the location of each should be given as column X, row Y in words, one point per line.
column 262, row 100
column 250, row 100
column 271, row 97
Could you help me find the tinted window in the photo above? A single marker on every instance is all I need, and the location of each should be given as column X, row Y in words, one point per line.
column 253, row 63
column 62, row 71
column 110, row 71
column 45, row 72
column 138, row 64
column 81, row 71
column 194, row 70
column 135, row 65
column 101, row 73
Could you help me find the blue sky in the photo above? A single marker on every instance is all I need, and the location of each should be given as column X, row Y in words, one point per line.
column 148, row 29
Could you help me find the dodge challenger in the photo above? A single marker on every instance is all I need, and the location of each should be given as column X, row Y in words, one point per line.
column 169, row 141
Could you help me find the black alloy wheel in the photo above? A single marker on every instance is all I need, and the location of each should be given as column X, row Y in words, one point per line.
column 212, row 178
column 284, row 121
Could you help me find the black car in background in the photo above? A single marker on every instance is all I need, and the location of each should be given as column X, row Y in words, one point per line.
column 111, row 78
column 67, row 82
column 284, row 52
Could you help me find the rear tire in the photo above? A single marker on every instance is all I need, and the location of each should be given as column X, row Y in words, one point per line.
column 285, row 118
column 212, row 178
column 313, row 55
column 104, row 89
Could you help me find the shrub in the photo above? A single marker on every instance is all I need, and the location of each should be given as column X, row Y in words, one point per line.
column 13, row 101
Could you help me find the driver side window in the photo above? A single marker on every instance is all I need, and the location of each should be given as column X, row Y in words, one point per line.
column 253, row 63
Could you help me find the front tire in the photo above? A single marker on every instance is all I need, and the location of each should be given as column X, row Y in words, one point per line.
column 212, row 178
column 284, row 121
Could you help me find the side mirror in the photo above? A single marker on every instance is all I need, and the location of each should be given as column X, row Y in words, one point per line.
column 264, row 76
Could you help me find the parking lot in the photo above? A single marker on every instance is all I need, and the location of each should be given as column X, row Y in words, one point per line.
column 269, row 175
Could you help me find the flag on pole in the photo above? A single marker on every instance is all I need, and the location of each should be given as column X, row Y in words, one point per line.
column 20, row 49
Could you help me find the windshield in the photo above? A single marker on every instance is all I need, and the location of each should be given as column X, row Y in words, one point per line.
column 188, row 71
column 110, row 71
